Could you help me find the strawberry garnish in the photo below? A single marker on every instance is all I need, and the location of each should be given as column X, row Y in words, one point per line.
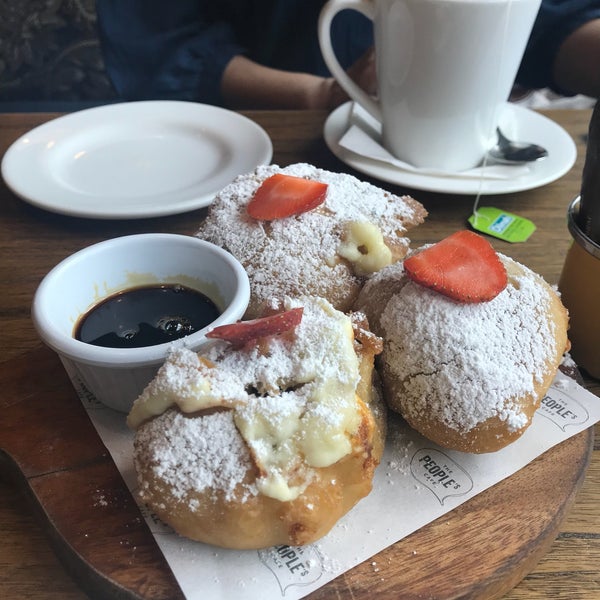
column 243, row 332
column 464, row 266
column 283, row 196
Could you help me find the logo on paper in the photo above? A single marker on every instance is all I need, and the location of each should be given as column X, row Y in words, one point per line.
column 87, row 398
column 293, row 566
column 440, row 474
column 154, row 522
column 563, row 410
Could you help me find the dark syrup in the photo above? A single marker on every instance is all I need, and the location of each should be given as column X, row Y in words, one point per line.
column 146, row 316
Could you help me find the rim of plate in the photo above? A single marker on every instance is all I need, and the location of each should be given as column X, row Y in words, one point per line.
column 247, row 142
column 562, row 148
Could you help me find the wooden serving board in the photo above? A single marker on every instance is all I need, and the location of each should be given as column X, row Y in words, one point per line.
column 480, row 550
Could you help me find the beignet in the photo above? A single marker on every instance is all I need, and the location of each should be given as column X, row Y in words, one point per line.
column 269, row 443
column 468, row 376
column 327, row 251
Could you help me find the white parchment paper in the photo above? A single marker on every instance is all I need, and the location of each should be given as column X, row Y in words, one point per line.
column 415, row 477
column 363, row 137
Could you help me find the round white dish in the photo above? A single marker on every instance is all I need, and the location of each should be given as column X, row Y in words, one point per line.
column 525, row 124
column 116, row 376
column 134, row 159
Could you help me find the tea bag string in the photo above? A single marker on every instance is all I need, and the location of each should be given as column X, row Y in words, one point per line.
column 485, row 156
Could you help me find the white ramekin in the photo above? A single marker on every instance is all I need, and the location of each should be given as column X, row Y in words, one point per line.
column 116, row 376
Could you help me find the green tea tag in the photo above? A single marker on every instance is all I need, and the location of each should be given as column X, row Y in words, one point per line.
column 501, row 224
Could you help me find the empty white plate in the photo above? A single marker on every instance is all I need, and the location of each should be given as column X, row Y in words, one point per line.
column 134, row 159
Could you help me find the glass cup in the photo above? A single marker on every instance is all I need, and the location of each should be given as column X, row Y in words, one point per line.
column 579, row 286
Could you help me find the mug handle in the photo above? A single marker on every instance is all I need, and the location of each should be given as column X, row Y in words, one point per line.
column 328, row 12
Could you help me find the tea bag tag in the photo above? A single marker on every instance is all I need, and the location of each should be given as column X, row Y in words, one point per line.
column 501, row 224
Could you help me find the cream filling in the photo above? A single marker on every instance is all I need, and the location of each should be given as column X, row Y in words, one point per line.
column 307, row 424
column 364, row 246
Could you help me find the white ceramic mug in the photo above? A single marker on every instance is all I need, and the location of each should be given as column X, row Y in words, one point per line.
column 444, row 70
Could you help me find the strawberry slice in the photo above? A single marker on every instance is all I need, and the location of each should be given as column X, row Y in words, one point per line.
column 464, row 266
column 283, row 196
column 242, row 332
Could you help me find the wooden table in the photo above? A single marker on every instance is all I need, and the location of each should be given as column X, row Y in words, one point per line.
column 32, row 241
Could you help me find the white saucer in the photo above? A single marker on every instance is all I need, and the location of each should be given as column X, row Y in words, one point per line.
column 524, row 124
column 135, row 159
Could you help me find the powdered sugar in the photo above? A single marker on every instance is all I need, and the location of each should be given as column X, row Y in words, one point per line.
column 298, row 255
column 196, row 455
column 315, row 353
column 292, row 397
column 464, row 363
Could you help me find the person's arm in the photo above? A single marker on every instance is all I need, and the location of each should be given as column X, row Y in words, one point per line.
column 563, row 51
column 247, row 84
column 577, row 64
column 159, row 50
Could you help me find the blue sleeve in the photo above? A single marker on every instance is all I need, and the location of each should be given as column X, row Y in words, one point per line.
column 555, row 21
column 155, row 49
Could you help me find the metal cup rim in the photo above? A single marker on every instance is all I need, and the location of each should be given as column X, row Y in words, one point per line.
column 579, row 236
